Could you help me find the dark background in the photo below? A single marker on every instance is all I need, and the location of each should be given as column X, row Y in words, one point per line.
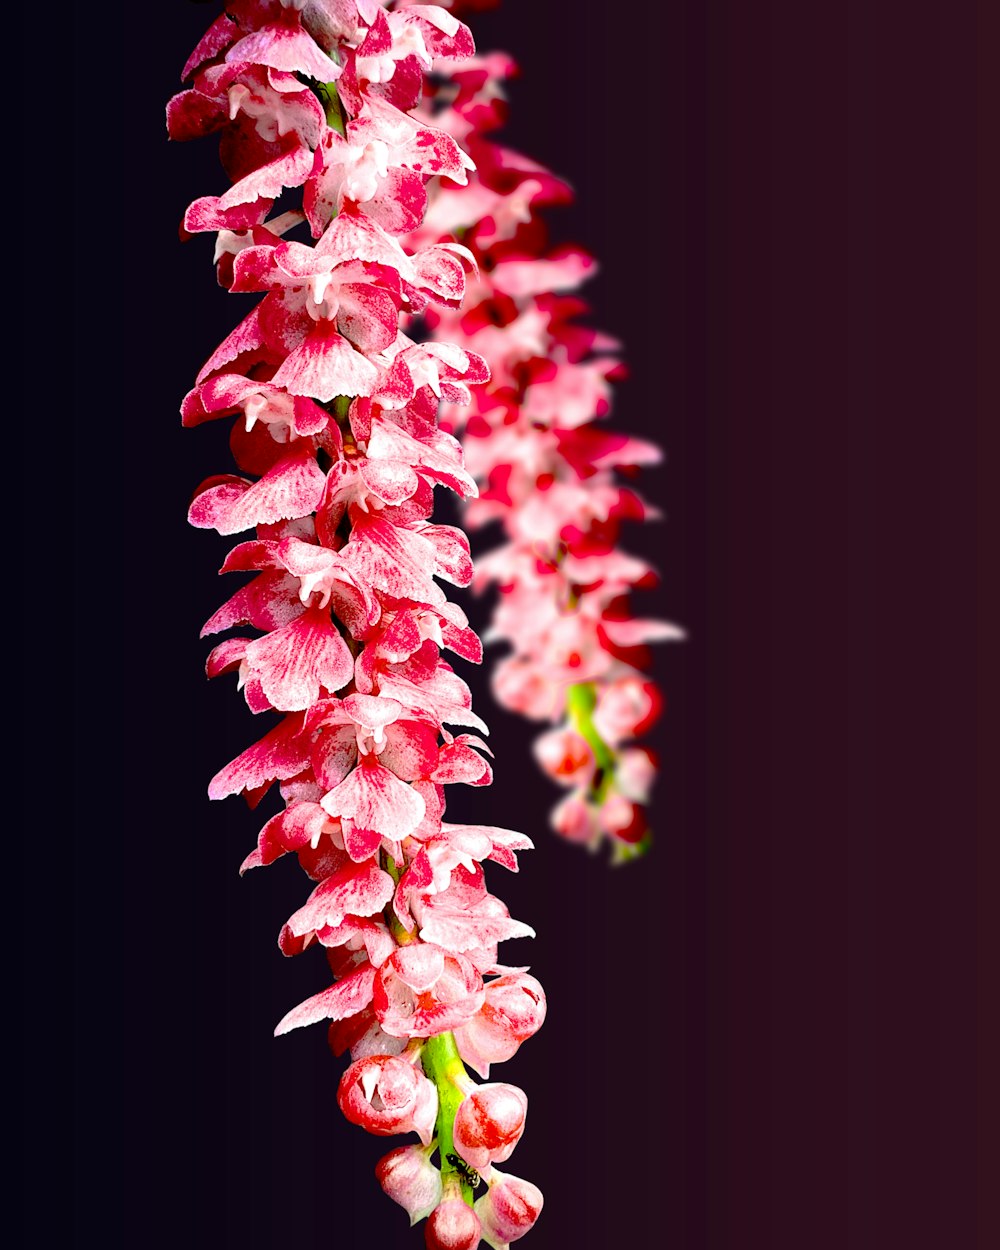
column 778, row 1030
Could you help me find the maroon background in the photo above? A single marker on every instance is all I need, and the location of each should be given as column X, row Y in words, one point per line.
column 770, row 1032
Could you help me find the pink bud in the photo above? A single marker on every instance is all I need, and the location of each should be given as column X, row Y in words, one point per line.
column 524, row 689
column 409, row 1178
column 622, row 819
column 385, row 1095
column 513, row 1011
column 509, row 1210
column 489, row 1124
column 453, row 1226
column 635, row 772
column 565, row 755
column 519, row 1000
column 575, row 819
column 625, row 709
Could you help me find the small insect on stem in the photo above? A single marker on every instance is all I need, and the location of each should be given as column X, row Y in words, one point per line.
column 469, row 1174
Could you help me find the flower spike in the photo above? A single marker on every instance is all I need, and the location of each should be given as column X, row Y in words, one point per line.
column 342, row 627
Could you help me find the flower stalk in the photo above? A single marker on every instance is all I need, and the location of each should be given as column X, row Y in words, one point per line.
column 581, row 700
column 443, row 1065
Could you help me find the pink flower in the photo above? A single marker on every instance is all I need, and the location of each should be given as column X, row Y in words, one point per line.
column 422, row 991
column 381, row 162
column 386, row 1095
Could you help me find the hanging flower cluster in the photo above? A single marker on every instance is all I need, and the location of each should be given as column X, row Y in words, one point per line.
column 546, row 471
column 339, row 448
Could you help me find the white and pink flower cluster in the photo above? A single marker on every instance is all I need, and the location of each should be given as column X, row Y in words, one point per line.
column 339, row 449
column 546, row 470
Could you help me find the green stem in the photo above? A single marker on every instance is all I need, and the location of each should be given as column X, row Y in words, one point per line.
column 581, row 700
column 330, row 100
column 625, row 852
column 443, row 1065
column 391, row 919
column 580, row 703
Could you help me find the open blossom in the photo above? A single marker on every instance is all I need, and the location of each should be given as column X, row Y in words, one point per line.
column 386, row 1095
column 337, row 636
column 548, row 471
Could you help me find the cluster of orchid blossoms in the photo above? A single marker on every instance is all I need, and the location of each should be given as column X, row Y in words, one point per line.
column 546, row 470
column 339, row 447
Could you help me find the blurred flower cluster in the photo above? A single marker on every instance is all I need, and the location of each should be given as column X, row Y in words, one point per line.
column 546, row 468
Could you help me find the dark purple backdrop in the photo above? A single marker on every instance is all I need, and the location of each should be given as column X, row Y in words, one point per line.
column 767, row 1033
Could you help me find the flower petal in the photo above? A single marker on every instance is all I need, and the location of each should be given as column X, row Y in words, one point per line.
column 375, row 798
column 345, row 998
column 295, row 662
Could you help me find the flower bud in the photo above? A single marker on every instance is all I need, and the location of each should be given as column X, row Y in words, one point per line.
column 635, row 772
column 513, row 1011
column 453, row 1226
column 625, row 709
column 575, row 819
column 509, row 1210
column 622, row 819
column 565, row 755
column 489, row 1124
column 385, row 1095
column 409, row 1178
column 520, row 686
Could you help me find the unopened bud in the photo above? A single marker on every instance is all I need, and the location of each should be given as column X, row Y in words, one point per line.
column 575, row 819
column 565, row 755
column 626, row 709
column 635, row 773
column 489, row 1124
column 509, row 1210
column 513, row 1011
column 409, row 1178
column 453, row 1226
column 622, row 818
